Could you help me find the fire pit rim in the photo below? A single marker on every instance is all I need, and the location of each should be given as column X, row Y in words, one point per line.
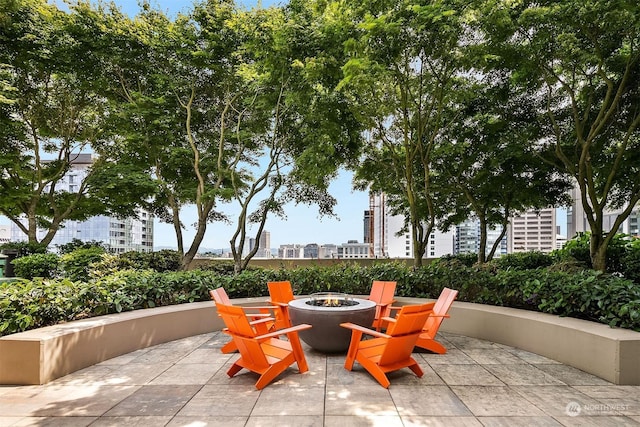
column 301, row 304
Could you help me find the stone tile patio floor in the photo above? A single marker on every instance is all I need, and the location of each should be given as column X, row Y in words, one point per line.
column 184, row 383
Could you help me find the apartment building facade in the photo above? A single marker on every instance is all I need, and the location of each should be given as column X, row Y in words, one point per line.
column 116, row 234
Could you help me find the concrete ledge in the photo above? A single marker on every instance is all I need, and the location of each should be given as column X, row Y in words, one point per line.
column 42, row 355
column 609, row 353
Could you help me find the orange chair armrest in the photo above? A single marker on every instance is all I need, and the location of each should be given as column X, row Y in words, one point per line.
column 263, row 320
column 256, row 307
column 362, row 329
column 280, row 304
column 284, row 331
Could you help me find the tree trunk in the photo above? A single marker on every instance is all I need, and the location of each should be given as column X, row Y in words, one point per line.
column 598, row 251
column 482, row 249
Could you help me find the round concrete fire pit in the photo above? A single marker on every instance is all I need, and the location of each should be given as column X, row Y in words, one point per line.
column 325, row 312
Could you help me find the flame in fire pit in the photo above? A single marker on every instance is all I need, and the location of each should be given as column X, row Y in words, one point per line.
column 329, row 299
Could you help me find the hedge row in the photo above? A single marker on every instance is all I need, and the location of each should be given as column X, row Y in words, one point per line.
column 585, row 294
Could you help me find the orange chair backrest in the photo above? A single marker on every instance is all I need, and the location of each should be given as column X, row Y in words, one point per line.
column 220, row 296
column 235, row 320
column 243, row 334
column 382, row 292
column 441, row 307
column 280, row 291
column 404, row 333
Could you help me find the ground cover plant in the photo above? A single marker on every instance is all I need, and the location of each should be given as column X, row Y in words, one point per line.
column 557, row 284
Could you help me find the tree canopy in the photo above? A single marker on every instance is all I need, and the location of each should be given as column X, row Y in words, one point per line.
column 453, row 109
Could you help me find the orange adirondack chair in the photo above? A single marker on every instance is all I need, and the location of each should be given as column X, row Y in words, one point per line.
column 427, row 339
column 261, row 316
column 280, row 293
column 264, row 354
column 382, row 293
column 392, row 350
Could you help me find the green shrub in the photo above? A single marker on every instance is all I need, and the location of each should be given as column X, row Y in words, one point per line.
column 468, row 259
column 24, row 248
column 76, row 244
column 164, row 260
column 36, row 265
column 523, row 260
column 630, row 263
column 76, row 265
column 585, row 294
column 578, row 249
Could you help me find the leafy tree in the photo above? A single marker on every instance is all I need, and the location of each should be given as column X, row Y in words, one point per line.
column 404, row 76
column 176, row 100
column 51, row 116
column 291, row 62
column 489, row 166
column 583, row 59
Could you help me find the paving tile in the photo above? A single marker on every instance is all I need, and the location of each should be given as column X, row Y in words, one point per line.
column 125, row 358
column 206, row 355
column 75, row 401
column 623, row 399
column 486, row 401
column 519, row 422
column 529, row 357
column 363, row 421
column 155, row 400
column 135, row 373
column 557, row 400
column 205, row 421
column 421, row 421
column 522, row 375
column 55, row 422
column 279, row 400
column 494, row 357
column 288, row 421
column 188, row 373
column 453, row 356
column 358, row 400
column 229, row 401
column 161, row 355
column 144, row 421
column 466, row 375
column 92, row 375
column 432, row 400
column 570, row 375
column 469, row 343
column 475, row 383
column 600, row 421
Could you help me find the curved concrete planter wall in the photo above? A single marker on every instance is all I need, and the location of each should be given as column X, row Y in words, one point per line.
column 42, row 355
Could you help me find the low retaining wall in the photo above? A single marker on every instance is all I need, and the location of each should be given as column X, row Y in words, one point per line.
column 609, row 353
column 42, row 355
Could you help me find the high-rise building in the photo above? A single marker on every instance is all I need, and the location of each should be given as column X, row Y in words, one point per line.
column 5, row 234
column 116, row 234
column 389, row 242
column 577, row 220
column 311, row 251
column 533, row 231
column 367, row 227
column 467, row 239
column 291, row 251
column 353, row 250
